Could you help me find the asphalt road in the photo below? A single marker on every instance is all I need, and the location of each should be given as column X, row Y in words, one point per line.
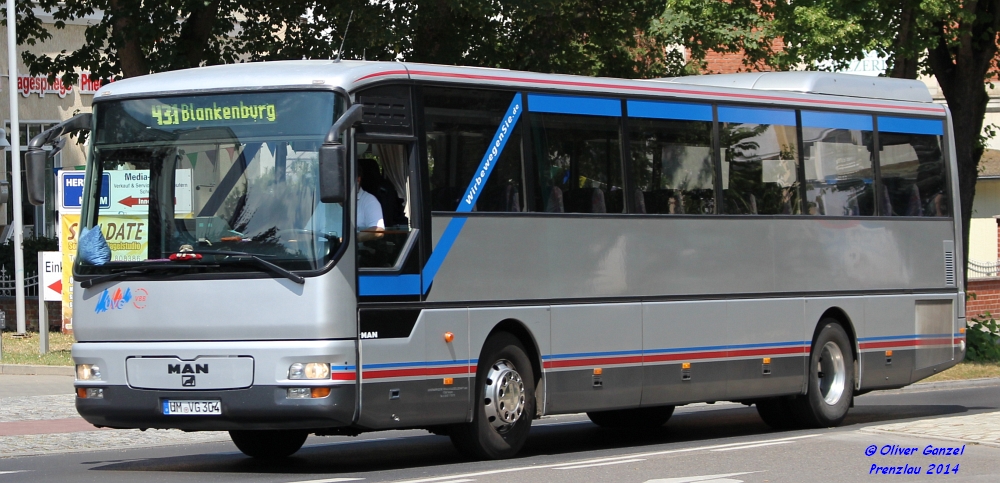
column 722, row 443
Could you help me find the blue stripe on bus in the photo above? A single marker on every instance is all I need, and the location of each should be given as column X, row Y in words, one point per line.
column 684, row 111
column 909, row 125
column 408, row 284
column 385, row 365
column 898, row 337
column 587, row 106
column 756, row 115
column 836, row 120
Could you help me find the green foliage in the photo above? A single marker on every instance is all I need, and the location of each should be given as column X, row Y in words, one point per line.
column 982, row 337
column 31, row 248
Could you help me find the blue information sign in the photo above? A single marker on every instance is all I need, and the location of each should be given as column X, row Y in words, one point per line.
column 72, row 186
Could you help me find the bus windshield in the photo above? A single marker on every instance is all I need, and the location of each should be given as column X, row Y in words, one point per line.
column 210, row 175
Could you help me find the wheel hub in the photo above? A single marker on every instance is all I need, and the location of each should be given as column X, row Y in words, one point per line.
column 503, row 396
column 832, row 373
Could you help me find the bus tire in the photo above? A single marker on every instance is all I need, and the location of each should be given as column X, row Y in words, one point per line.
column 777, row 412
column 634, row 418
column 831, row 379
column 503, row 404
column 268, row 444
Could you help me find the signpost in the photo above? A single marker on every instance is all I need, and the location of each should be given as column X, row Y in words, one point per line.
column 49, row 290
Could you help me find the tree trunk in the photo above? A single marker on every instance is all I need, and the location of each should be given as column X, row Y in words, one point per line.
column 130, row 56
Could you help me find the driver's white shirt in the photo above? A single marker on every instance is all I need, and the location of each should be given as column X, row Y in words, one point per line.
column 369, row 211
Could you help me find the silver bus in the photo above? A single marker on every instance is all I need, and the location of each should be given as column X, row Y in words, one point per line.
column 330, row 248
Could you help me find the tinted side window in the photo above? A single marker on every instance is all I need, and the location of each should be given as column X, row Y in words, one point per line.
column 911, row 163
column 838, row 148
column 759, row 161
column 671, row 149
column 578, row 153
column 460, row 125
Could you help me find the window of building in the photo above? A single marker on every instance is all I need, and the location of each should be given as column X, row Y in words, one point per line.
column 839, row 175
column 671, row 149
column 759, row 161
column 460, row 125
column 912, row 169
column 578, row 153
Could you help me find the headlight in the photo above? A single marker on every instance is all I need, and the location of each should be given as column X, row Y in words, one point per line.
column 309, row 370
column 88, row 372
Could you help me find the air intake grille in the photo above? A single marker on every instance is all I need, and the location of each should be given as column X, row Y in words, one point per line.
column 385, row 111
column 949, row 263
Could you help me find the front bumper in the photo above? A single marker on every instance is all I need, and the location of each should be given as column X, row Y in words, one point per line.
column 256, row 407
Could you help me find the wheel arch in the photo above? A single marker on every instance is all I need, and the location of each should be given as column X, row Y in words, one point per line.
column 840, row 316
column 523, row 334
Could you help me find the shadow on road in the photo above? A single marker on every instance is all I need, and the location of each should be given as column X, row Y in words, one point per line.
column 340, row 455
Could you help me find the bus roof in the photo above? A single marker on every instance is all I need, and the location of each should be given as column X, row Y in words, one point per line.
column 806, row 89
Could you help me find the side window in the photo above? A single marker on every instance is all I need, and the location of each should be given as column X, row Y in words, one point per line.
column 912, row 168
column 578, row 153
column 838, row 149
column 759, row 161
column 671, row 149
column 461, row 124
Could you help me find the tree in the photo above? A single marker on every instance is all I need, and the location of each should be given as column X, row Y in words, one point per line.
column 954, row 41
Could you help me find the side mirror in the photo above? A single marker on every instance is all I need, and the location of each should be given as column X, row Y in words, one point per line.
column 332, row 158
column 34, row 166
column 34, row 159
column 332, row 179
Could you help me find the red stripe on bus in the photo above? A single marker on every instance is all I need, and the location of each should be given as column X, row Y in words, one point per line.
column 663, row 90
column 594, row 362
column 343, row 376
column 421, row 371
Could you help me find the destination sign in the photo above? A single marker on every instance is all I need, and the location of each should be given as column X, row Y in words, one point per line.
column 190, row 113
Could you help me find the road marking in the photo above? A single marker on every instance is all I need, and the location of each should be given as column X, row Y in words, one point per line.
column 758, row 445
column 463, row 480
column 703, row 479
column 441, row 479
column 15, row 471
column 606, row 463
column 328, row 480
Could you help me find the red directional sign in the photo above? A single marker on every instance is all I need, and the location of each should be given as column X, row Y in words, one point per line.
column 57, row 286
column 133, row 201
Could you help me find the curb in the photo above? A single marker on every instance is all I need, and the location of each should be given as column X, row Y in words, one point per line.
column 959, row 384
column 26, row 370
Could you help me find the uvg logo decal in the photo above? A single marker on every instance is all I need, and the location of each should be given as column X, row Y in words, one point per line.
column 119, row 299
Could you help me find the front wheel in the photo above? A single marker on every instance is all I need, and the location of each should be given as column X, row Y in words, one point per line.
column 268, row 444
column 504, row 402
column 831, row 379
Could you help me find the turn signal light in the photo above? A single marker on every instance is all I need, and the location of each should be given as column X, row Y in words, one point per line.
column 90, row 393
column 318, row 392
column 961, row 330
column 685, row 365
column 448, row 337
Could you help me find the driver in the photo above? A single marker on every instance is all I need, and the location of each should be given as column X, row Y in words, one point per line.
column 370, row 222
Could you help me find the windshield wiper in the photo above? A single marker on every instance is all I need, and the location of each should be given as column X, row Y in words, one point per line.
column 256, row 260
column 137, row 270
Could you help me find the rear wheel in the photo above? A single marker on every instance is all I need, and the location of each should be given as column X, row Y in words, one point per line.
column 831, row 379
column 268, row 444
column 504, row 402
column 635, row 418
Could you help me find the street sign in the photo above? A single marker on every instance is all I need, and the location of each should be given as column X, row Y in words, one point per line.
column 71, row 190
column 123, row 192
column 50, row 270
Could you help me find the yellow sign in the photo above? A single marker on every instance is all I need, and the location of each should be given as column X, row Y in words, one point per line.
column 127, row 236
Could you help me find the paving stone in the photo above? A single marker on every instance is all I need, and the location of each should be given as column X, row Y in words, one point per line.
column 983, row 428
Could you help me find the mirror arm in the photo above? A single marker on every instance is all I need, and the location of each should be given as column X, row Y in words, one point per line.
column 75, row 123
column 351, row 117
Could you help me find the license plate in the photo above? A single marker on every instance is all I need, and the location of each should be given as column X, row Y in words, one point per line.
column 192, row 408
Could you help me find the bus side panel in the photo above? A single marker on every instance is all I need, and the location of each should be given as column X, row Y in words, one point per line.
column 588, row 338
column 677, row 332
column 420, row 379
column 894, row 331
column 536, row 320
column 771, row 329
